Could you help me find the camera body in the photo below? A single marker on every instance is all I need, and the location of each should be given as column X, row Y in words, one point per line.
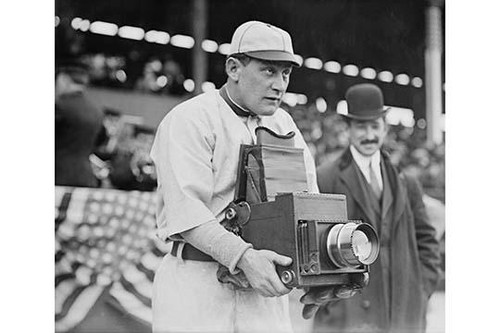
column 272, row 210
column 297, row 225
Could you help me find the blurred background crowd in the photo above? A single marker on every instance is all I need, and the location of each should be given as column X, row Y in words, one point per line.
column 127, row 144
column 125, row 149
column 152, row 50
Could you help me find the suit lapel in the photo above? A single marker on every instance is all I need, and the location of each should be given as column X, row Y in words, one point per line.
column 398, row 190
column 387, row 198
column 350, row 177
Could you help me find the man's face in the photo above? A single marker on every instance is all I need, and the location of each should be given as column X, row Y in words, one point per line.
column 262, row 85
column 367, row 136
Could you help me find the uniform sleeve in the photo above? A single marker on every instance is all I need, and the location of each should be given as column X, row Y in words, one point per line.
column 220, row 244
column 182, row 153
column 428, row 246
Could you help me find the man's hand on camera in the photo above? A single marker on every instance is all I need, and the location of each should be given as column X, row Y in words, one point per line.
column 260, row 271
column 318, row 296
column 238, row 280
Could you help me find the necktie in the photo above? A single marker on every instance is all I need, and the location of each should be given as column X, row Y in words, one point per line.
column 374, row 183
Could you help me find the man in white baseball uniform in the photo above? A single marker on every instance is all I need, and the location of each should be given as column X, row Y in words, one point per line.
column 196, row 153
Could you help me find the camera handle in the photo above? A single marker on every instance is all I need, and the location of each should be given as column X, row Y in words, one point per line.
column 236, row 215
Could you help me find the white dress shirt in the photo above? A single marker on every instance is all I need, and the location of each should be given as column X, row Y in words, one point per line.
column 363, row 163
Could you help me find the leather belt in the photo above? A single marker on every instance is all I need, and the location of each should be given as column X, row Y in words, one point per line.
column 189, row 252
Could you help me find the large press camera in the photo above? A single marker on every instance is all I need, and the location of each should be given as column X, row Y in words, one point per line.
column 273, row 210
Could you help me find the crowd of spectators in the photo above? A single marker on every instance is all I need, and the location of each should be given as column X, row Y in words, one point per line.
column 326, row 134
column 156, row 75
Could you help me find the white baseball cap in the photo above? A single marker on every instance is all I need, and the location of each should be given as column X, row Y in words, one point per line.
column 263, row 41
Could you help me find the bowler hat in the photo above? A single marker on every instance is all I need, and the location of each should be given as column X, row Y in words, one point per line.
column 263, row 41
column 365, row 102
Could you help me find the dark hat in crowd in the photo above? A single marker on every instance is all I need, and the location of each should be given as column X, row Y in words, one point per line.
column 263, row 41
column 71, row 65
column 143, row 129
column 77, row 69
column 365, row 102
column 112, row 112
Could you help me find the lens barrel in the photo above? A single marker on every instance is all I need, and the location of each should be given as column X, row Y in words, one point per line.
column 352, row 244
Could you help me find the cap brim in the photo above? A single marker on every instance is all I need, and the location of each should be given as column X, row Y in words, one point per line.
column 274, row 56
column 380, row 113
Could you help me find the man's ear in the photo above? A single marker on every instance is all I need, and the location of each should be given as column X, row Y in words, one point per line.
column 233, row 68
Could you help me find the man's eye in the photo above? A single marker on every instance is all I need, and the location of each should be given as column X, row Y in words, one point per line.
column 269, row 71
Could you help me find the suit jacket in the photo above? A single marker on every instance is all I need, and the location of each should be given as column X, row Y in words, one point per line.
column 77, row 125
column 407, row 269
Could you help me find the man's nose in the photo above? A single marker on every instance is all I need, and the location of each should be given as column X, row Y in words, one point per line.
column 279, row 84
column 370, row 134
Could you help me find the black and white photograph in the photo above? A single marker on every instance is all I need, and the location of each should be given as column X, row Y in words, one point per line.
column 249, row 166
column 299, row 166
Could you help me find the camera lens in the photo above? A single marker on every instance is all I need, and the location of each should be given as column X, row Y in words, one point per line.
column 361, row 245
column 352, row 244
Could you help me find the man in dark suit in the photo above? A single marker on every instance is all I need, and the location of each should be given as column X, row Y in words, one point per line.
column 78, row 123
column 407, row 270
